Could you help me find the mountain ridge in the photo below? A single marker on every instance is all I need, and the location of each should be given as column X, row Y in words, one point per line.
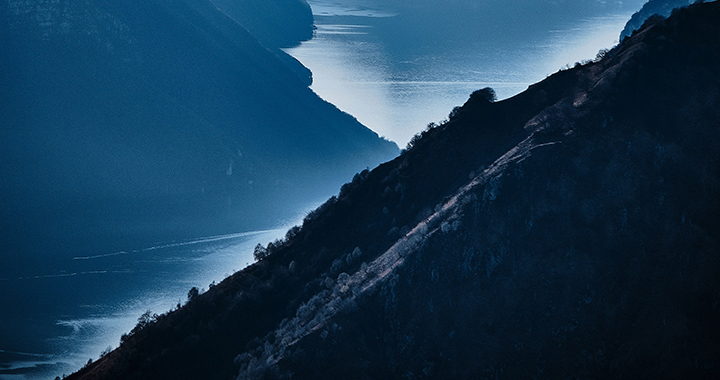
column 277, row 23
column 171, row 102
column 569, row 231
column 662, row 8
column 125, row 124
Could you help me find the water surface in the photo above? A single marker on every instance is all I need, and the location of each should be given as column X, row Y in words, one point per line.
column 396, row 77
column 89, row 301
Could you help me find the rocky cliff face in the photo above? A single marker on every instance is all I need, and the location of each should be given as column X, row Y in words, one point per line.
column 568, row 232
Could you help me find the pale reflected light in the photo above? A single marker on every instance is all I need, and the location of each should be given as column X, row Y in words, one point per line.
column 352, row 70
column 583, row 43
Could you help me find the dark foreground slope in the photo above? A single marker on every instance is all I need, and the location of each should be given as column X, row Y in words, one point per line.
column 128, row 118
column 653, row 7
column 568, row 232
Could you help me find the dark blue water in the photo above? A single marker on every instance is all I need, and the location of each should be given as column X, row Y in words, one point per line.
column 55, row 320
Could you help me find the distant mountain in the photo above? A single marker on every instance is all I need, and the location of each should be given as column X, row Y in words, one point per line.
column 275, row 23
column 568, row 232
column 653, row 7
column 156, row 119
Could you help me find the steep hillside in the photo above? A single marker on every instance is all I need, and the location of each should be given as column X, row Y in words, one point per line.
column 126, row 120
column 653, row 7
column 568, row 232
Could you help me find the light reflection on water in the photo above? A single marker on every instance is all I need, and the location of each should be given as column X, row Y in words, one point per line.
column 397, row 94
column 100, row 296
column 88, row 308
